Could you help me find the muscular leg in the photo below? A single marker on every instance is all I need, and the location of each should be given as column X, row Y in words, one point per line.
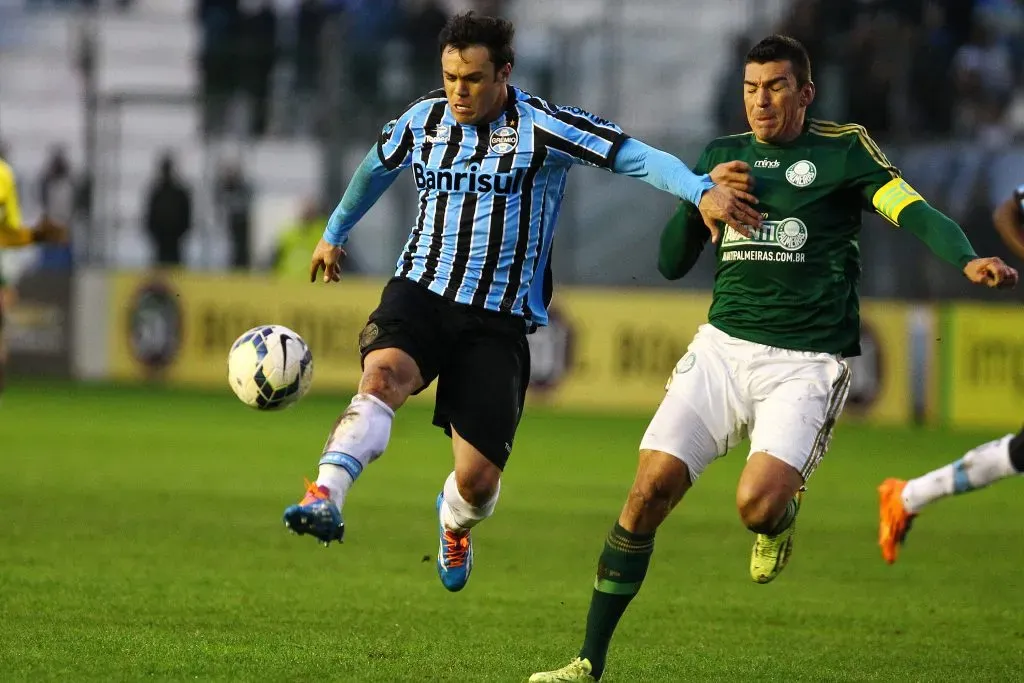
column 660, row 483
column 361, row 433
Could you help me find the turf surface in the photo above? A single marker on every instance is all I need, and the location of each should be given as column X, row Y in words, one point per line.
column 142, row 539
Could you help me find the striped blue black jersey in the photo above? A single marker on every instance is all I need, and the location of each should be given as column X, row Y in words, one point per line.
column 489, row 195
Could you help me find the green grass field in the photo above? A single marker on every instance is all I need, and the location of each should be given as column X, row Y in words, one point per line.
column 142, row 539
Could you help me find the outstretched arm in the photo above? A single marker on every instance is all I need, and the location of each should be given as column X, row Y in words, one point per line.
column 368, row 183
column 717, row 202
column 902, row 205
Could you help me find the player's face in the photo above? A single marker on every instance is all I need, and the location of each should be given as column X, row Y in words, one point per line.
column 775, row 102
column 475, row 89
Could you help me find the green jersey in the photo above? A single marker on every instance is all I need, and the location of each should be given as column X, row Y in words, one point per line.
column 793, row 283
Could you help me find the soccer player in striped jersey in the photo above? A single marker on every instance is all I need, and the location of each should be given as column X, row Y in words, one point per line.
column 14, row 234
column 490, row 163
column 900, row 501
column 770, row 364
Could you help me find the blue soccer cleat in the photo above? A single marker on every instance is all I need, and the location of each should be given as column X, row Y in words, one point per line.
column 454, row 555
column 317, row 515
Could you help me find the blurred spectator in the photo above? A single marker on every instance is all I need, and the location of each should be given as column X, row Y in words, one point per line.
column 370, row 24
column 257, row 53
column 168, row 212
column 59, row 198
column 297, row 241
column 310, row 24
column 929, row 95
column 233, row 203
column 219, row 22
column 730, row 115
column 871, row 71
column 423, row 23
column 984, row 79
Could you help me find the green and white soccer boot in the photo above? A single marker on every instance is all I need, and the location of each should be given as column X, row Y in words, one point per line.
column 771, row 553
column 576, row 671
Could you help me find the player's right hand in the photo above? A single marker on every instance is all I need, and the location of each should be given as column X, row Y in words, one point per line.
column 728, row 205
column 991, row 272
column 329, row 258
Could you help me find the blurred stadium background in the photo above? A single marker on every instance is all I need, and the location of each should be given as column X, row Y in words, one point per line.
column 196, row 148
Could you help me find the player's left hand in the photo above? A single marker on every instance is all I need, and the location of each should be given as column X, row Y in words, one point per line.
column 991, row 271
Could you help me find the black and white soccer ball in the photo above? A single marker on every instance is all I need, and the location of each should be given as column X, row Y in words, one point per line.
column 270, row 367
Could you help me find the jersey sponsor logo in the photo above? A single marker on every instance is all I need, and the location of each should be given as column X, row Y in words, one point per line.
column 462, row 181
column 801, row 174
column 767, row 163
column 504, row 140
column 441, row 134
column 789, row 234
column 772, row 256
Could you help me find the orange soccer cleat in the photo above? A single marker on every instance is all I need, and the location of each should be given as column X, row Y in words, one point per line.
column 893, row 519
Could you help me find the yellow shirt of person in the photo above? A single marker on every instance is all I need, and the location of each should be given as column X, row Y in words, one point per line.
column 294, row 248
column 12, row 233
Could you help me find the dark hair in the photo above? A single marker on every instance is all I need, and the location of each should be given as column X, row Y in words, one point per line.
column 468, row 29
column 778, row 48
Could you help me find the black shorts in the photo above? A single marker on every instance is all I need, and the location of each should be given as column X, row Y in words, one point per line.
column 480, row 358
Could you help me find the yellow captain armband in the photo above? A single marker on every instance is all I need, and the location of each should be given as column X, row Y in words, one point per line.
column 893, row 197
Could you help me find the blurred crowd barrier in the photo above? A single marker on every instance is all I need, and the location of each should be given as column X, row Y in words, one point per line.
column 607, row 350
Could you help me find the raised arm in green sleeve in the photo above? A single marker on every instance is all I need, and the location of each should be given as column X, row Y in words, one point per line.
column 885, row 191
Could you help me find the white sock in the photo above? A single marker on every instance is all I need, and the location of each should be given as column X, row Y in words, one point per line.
column 979, row 467
column 359, row 437
column 457, row 514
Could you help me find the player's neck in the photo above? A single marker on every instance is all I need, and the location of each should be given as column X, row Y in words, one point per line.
column 495, row 113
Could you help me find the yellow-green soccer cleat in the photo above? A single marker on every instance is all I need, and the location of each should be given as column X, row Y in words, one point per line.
column 576, row 670
column 771, row 553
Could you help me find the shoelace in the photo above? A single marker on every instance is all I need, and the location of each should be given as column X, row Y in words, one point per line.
column 313, row 492
column 456, row 549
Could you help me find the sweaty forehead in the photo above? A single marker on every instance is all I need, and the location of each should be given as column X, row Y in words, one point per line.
column 466, row 61
column 769, row 71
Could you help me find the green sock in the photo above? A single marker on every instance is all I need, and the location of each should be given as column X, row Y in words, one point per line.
column 620, row 571
column 786, row 520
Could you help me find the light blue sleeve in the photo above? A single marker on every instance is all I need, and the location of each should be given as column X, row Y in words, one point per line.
column 368, row 183
column 660, row 169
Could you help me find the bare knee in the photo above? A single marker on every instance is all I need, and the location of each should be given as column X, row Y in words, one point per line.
column 759, row 510
column 390, row 375
column 478, row 485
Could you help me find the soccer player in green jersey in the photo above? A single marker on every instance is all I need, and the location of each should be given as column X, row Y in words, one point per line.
column 770, row 363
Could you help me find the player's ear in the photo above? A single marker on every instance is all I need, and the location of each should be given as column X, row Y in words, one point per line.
column 807, row 93
column 504, row 73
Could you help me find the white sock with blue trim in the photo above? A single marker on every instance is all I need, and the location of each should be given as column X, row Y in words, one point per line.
column 979, row 467
column 360, row 436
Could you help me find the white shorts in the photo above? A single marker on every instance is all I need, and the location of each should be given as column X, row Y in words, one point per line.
column 725, row 388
